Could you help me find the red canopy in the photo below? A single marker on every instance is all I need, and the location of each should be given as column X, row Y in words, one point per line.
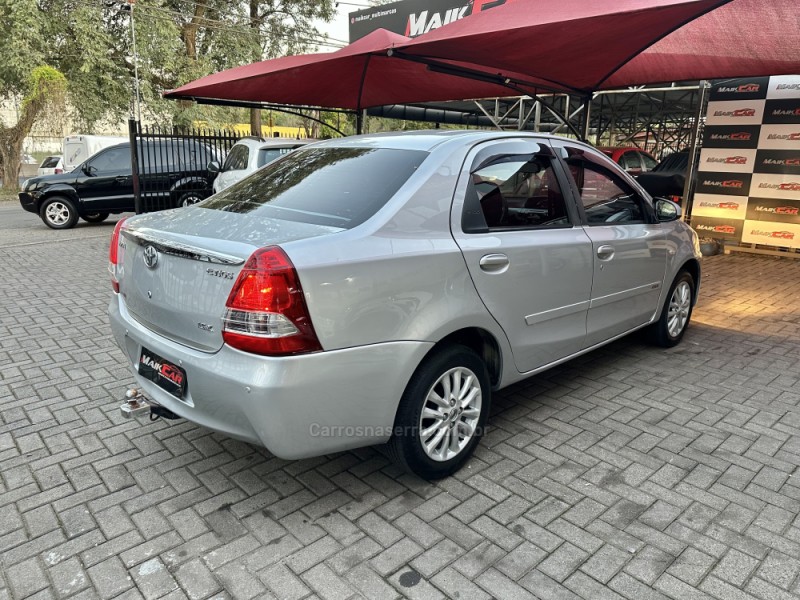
column 580, row 45
column 561, row 45
column 357, row 76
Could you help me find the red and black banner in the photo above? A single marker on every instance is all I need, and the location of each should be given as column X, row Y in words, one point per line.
column 748, row 180
column 754, row 88
column 731, row 136
column 772, row 209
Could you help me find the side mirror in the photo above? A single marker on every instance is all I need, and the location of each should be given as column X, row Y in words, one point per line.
column 89, row 170
column 213, row 167
column 667, row 210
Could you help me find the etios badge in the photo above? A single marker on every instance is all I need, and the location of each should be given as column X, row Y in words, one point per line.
column 150, row 257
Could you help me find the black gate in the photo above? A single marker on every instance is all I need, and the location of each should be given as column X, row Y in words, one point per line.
column 170, row 165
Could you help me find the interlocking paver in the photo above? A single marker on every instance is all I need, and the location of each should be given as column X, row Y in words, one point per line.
column 631, row 472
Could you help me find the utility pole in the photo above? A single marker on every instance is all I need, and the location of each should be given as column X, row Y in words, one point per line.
column 136, row 99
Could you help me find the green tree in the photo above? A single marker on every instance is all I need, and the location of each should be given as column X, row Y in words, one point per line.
column 42, row 91
column 24, row 80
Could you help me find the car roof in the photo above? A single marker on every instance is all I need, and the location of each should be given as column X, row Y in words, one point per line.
column 427, row 140
column 255, row 142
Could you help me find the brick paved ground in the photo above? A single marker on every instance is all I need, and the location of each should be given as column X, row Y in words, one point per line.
column 630, row 473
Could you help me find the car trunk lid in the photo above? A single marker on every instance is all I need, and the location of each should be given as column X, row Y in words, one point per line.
column 178, row 267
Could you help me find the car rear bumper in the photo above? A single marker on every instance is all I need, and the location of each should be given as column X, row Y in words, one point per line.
column 297, row 406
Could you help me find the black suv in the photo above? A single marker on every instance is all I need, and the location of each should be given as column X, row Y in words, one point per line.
column 173, row 172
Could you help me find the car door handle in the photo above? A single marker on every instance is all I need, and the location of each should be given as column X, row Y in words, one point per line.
column 121, row 178
column 605, row 252
column 494, row 263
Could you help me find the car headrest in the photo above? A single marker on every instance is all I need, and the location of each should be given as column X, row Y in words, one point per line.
column 493, row 206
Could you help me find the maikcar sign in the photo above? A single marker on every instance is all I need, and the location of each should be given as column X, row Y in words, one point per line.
column 414, row 17
column 748, row 180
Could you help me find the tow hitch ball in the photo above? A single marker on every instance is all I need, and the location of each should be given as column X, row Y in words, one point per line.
column 136, row 404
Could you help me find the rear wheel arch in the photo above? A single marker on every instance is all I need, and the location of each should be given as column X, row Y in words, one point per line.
column 480, row 341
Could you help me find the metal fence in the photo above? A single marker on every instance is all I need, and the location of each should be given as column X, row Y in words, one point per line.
column 170, row 165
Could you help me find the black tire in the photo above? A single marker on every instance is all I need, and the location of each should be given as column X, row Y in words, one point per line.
column 98, row 217
column 406, row 444
column 661, row 332
column 59, row 212
column 189, row 198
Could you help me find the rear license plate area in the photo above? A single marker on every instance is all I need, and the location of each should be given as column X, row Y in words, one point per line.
column 165, row 374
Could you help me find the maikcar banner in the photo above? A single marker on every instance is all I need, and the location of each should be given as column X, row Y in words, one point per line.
column 748, row 180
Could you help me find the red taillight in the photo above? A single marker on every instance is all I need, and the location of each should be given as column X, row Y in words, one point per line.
column 59, row 171
column 266, row 310
column 113, row 255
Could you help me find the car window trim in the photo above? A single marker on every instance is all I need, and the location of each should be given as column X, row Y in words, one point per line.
column 545, row 149
column 649, row 211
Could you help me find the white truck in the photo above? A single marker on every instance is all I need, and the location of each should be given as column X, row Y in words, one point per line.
column 77, row 148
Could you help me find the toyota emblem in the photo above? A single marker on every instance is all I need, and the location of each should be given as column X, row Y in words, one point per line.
column 150, row 257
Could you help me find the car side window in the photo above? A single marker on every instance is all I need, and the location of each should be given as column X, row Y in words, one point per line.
column 632, row 161
column 517, row 192
column 237, row 159
column 649, row 163
column 607, row 199
column 113, row 160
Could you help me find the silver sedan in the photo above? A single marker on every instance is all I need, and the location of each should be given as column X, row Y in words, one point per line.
column 378, row 289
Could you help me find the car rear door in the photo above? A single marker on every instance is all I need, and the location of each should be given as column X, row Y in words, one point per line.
column 529, row 258
column 629, row 251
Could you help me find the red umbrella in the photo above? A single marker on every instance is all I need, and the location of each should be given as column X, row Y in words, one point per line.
column 584, row 46
column 357, row 76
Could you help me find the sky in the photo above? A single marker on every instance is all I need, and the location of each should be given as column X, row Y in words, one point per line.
column 339, row 28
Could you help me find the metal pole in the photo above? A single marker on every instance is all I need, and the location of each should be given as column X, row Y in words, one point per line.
column 537, row 120
column 687, row 186
column 587, row 107
column 133, row 130
column 359, row 122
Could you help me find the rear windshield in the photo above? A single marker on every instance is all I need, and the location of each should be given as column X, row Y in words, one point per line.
column 336, row 187
column 50, row 162
column 267, row 155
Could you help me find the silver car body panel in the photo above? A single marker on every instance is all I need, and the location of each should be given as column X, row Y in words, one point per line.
column 380, row 296
column 296, row 407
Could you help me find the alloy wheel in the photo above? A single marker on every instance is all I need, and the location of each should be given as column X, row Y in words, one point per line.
column 57, row 213
column 450, row 414
column 679, row 305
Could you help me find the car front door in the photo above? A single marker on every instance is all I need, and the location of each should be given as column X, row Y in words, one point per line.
column 104, row 182
column 234, row 168
column 529, row 259
column 628, row 245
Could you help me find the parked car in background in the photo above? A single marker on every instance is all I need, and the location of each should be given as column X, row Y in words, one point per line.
column 631, row 159
column 249, row 154
column 173, row 171
column 668, row 178
column 379, row 288
column 51, row 165
column 78, row 148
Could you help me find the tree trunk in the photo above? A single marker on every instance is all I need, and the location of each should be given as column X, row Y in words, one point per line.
column 189, row 30
column 10, row 153
column 255, row 121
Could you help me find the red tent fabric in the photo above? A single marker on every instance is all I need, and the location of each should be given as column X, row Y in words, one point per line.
column 561, row 45
column 586, row 46
column 357, row 76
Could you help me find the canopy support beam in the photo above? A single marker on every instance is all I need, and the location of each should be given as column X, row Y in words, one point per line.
column 276, row 108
